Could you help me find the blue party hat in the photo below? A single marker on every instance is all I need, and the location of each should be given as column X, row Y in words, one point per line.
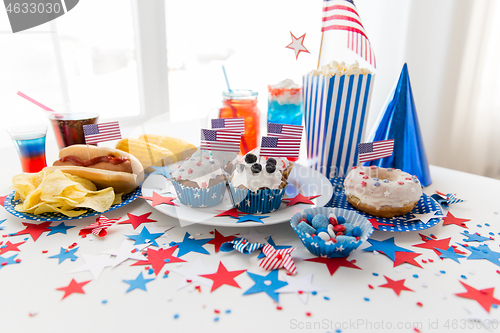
column 399, row 121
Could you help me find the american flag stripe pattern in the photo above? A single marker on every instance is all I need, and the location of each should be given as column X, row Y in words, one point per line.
column 243, row 246
column 284, row 146
column 230, row 124
column 374, row 150
column 99, row 227
column 276, row 259
column 284, row 130
column 220, row 140
column 452, row 199
column 343, row 15
column 96, row 133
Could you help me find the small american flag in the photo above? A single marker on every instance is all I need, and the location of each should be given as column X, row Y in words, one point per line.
column 343, row 15
column 284, row 146
column 220, row 140
column 284, row 130
column 230, row 124
column 96, row 133
column 374, row 150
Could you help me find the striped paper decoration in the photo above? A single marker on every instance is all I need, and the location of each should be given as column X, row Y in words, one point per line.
column 335, row 113
column 276, row 259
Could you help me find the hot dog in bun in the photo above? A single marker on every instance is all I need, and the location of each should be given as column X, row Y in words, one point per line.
column 103, row 166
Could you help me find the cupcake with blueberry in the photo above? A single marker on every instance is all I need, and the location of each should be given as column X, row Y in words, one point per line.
column 282, row 164
column 199, row 183
column 257, row 185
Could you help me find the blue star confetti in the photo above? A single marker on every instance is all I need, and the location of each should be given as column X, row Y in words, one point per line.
column 251, row 218
column 189, row 244
column 277, row 247
column 2, row 221
column 387, row 247
column 474, row 237
column 66, row 254
column 8, row 261
column 164, row 171
column 268, row 284
column 483, row 252
column 60, row 228
column 450, row 254
column 145, row 237
column 138, row 283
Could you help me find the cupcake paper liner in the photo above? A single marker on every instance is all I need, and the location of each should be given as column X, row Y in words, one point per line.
column 335, row 250
column 200, row 197
column 260, row 202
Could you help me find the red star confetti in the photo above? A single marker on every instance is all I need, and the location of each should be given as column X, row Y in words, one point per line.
column 2, row 199
column 397, row 286
column 431, row 244
column 158, row 259
column 158, row 200
column 406, row 257
column 99, row 227
column 223, row 276
column 297, row 45
column 137, row 220
column 377, row 224
column 219, row 239
column 34, row 230
column 10, row 247
column 73, row 287
column 450, row 219
column 334, row 263
column 276, row 259
column 233, row 212
column 299, row 198
column 483, row 296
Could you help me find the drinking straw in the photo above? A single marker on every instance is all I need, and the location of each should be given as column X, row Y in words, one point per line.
column 225, row 76
column 46, row 108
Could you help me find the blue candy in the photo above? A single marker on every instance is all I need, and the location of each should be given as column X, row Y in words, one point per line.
column 356, row 232
column 321, row 230
column 346, row 239
column 306, row 228
column 317, row 239
column 348, row 227
column 309, row 218
column 320, row 221
column 341, row 220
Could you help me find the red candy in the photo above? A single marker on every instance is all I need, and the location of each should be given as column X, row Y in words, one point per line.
column 340, row 233
column 361, row 173
column 339, row 228
column 333, row 221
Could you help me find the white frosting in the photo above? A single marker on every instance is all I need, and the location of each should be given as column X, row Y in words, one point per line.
column 335, row 68
column 379, row 187
column 256, row 181
column 198, row 171
column 288, row 95
column 282, row 163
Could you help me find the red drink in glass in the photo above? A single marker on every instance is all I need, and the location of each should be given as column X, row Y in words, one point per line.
column 68, row 127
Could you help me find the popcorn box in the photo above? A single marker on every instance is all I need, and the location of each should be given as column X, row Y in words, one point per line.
column 335, row 113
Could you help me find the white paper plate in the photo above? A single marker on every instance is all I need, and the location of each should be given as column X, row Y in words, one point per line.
column 302, row 180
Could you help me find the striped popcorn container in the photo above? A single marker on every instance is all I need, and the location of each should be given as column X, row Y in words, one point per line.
column 335, row 113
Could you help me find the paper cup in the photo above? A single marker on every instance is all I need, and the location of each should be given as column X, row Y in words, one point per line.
column 335, row 113
column 200, row 197
column 335, row 250
column 260, row 202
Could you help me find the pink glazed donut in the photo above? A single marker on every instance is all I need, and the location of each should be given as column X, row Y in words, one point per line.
column 382, row 192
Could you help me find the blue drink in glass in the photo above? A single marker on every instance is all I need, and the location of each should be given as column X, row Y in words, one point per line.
column 285, row 103
column 30, row 145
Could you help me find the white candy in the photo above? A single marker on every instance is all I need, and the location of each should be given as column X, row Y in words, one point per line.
column 324, row 236
column 331, row 232
column 332, row 215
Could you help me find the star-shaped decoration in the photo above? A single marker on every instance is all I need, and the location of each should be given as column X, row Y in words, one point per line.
column 158, row 258
column 251, row 218
column 137, row 220
column 484, row 252
column 432, row 244
column 387, row 247
column 10, row 247
column 334, row 263
column 73, row 288
column 219, row 239
column 450, row 219
column 376, row 224
column 299, row 198
column 8, row 261
column 145, row 237
column 60, row 228
column 256, row 237
column 474, row 237
column 138, row 283
column 483, row 296
column 397, row 286
column 223, row 277
column 189, row 244
column 387, row 194
column 450, row 254
column 302, row 286
column 2, row 221
column 268, row 284
column 158, row 199
column 233, row 212
column 94, row 264
column 163, row 170
column 276, row 259
column 66, row 254
column 2, row 200
column 297, row 45
column 193, row 274
column 126, row 251
column 277, row 247
column 406, row 257
column 425, row 218
column 34, row 230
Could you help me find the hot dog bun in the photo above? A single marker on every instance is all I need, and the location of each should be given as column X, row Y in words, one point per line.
column 122, row 182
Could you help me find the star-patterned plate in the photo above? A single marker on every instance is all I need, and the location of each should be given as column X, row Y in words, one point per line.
column 10, row 203
column 425, row 205
column 302, row 180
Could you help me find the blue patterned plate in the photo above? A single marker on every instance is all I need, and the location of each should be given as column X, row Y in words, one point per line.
column 425, row 205
column 10, row 203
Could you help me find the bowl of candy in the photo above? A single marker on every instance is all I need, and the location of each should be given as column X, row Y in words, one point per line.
column 331, row 232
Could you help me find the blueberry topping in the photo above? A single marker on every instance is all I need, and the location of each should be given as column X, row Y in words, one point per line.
column 250, row 158
column 271, row 160
column 270, row 168
column 240, row 168
column 375, row 179
column 256, row 167
column 376, row 184
column 385, row 180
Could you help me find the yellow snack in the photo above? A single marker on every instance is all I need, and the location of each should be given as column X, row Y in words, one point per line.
column 180, row 148
column 149, row 154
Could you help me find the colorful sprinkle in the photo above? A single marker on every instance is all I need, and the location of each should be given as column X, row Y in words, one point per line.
column 420, row 304
column 366, row 299
column 104, row 301
column 463, row 277
column 415, row 276
column 375, row 274
column 176, row 316
column 326, row 298
column 442, row 272
column 216, row 319
column 363, row 184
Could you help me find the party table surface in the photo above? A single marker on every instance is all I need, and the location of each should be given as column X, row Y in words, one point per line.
column 77, row 291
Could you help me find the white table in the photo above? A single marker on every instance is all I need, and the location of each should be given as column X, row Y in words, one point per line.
column 30, row 287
